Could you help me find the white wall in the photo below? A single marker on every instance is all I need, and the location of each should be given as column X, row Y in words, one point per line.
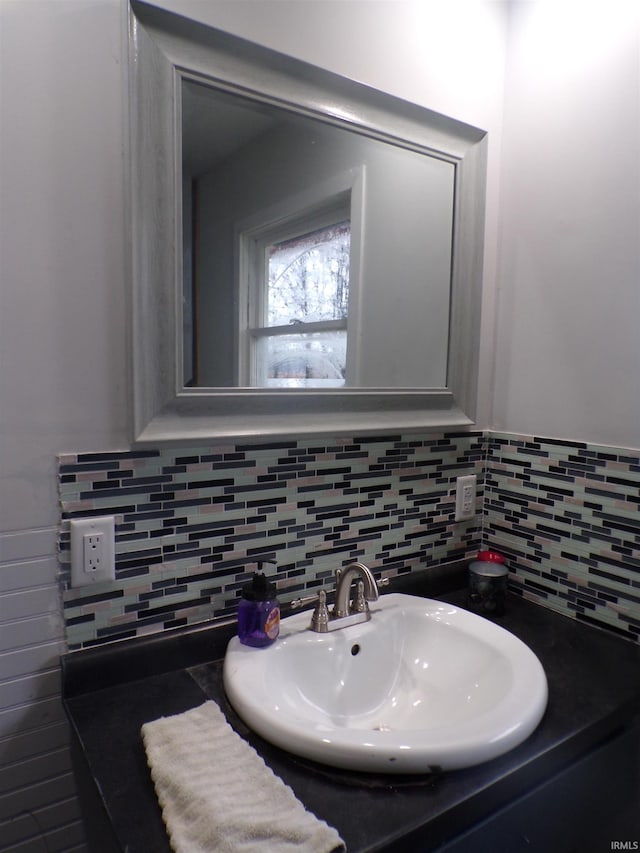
column 63, row 356
column 63, row 295
column 568, row 342
column 62, row 364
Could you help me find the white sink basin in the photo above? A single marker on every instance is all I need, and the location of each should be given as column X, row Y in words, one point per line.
column 422, row 686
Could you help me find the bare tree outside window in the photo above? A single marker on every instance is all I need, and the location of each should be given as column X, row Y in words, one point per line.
column 309, row 277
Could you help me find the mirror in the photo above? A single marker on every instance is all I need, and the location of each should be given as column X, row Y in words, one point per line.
column 250, row 169
column 306, row 251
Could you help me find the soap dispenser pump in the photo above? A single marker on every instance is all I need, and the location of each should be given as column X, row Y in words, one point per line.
column 258, row 612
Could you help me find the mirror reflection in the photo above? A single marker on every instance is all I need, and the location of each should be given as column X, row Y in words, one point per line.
column 314, row 256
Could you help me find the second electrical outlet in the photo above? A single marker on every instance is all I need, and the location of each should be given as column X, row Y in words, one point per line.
column 465, row 497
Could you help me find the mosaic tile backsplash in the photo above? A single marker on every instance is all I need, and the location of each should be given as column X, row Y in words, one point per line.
column 192, row 523
column 567, row 516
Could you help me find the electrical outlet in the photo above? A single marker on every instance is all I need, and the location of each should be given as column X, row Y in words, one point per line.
column 92, row 550
column 465, row 497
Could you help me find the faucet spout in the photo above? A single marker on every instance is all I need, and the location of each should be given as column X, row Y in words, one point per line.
column 344, row 579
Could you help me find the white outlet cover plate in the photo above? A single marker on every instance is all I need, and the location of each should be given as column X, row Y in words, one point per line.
column 468, row 483
column 80, row 527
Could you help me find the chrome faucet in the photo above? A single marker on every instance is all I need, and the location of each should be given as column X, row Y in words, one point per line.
column 345, row 611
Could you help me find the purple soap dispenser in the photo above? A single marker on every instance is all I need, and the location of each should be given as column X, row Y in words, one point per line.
column 258, row 613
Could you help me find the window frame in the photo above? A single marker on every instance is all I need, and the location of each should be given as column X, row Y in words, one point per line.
column 321, row 205
column 255, row 327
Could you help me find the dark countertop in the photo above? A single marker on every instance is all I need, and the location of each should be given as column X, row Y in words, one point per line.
column 594, row 690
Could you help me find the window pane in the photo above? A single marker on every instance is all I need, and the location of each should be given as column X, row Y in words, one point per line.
column 311, row 360
column 309, row 277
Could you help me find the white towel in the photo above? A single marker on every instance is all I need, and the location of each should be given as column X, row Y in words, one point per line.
column 218, row 796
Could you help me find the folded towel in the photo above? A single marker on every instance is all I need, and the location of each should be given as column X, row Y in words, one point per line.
column 218, row 795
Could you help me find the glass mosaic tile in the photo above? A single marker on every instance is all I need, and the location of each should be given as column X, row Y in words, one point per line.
column 567, row 516
column 192, row 523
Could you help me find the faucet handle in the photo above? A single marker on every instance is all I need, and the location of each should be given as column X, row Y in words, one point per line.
column 360, row 603
column 320, row 617
column 295, row 603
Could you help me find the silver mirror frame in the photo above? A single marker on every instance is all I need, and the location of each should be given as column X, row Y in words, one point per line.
column 164, row 48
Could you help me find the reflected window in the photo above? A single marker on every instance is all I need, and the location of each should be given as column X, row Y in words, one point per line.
column 299, row 304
